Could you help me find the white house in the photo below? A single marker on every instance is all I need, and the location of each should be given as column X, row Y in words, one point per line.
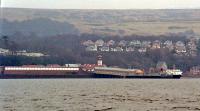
column 142, row 50
column 99, row 42
column 88, row 43
column 169, row 44
column 32, row 54
column 135, row 43
column 4, row 51
column 117, row 49
column 110, row 42
column 130, row 49
column 156, row 44
column 122, row 43
column 91, row 48
column 105, row 49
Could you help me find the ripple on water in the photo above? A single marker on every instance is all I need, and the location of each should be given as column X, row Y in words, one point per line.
column 99, row 95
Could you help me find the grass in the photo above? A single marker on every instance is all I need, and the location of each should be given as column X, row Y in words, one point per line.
column 141, row 28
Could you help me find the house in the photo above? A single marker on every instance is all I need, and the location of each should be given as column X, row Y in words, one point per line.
column 99, row 42
column 169, row 45
column 110, row 43
column 192, row 53
column 180, row 47
column 194, row 39
column 195, row 70
column 88, row 43
column 117, row 49
column 168, row 42
column 156, row 44
column 33, row 54
column 130, row 49
column 105, row 49
column 135, row 43
column 21, row 52
column 142, row 50
column 122, row 43
column 146, row 44
column 91, row 48
column 180, row 50
column 179, row 44
column 4, row 51
column 53, row 65
column 192, row 46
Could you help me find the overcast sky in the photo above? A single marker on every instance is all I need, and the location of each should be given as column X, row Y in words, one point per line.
column 102, row 4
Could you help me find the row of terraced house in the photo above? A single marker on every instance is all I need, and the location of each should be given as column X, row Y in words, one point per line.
column 179, row 47
column 6, row 52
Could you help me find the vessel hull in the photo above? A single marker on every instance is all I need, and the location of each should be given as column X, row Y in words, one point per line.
column 85, row 75
column 138, row 76
column 27, row 76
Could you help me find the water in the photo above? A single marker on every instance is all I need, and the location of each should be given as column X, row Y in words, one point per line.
column 100, row 95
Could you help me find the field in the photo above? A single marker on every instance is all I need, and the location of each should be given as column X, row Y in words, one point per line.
column 111, row 22
column 141, row 28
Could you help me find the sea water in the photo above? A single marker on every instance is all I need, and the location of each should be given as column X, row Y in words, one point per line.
column 100, row 94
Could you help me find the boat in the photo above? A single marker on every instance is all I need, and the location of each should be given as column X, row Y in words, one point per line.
column 111, row 72
column 39, row 71
column 98, row 70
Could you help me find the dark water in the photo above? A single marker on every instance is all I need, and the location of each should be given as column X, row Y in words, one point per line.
column 99, row 95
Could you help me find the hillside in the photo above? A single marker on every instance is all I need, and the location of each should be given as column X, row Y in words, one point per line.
column 111, row 22
column 39, row 26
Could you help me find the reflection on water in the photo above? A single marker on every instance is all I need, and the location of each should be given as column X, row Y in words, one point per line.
column 99, row 95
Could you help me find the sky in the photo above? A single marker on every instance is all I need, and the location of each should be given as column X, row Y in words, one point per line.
column 102, row 4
